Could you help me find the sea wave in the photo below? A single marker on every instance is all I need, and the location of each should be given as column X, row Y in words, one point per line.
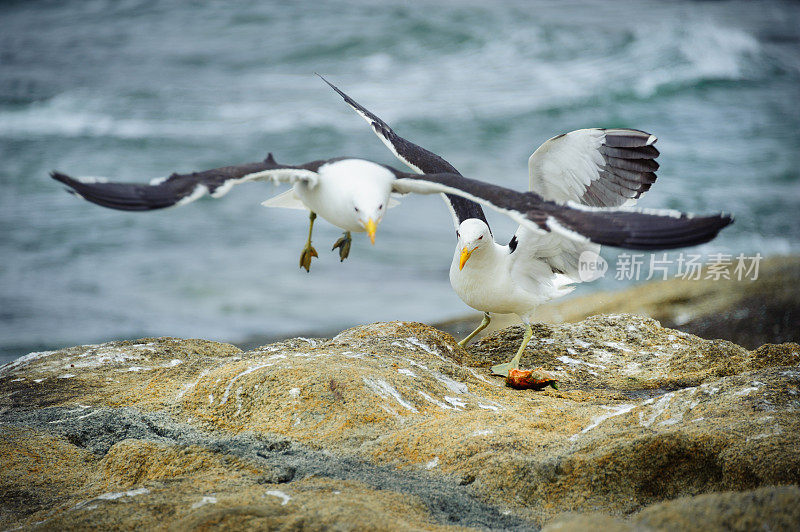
column 510, row 76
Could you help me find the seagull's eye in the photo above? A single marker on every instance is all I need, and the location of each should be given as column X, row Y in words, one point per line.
column 458, row 235
column 356, row 208
column 380, row 206
column 480, row 237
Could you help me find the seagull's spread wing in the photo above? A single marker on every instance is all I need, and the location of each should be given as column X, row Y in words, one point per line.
column 179, row 189
column 595, row 167
column 415, row 157
column 625, row 227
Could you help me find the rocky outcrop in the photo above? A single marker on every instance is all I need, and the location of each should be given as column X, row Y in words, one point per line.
column 394, row 426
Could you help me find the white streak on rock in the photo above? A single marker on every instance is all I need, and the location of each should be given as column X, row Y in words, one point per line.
column 658, row 408
column 186, row 387
column 386, row 390
column 119, row 494
column 204, row 501
column 413, row 340
column 482, row 378
column 567, row 360
column 242, row 374
column 24, row 361
column 455, row 401
column 311, row 342
column 451, row 384
column 618, row 345
column 438, row 403
column 614, row 411
column 281, row 495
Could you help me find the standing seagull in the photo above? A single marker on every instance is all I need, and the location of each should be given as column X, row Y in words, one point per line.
column 589, row 169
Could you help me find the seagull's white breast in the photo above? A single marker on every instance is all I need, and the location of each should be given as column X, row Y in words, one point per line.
column 489, row 282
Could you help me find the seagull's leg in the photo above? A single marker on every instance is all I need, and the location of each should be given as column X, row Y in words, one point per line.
column 503, row 369
column 344, row 245
column 308, row 251
column 484, row 323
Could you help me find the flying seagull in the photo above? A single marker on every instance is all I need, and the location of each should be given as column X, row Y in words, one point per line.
column 349, row 193
column 591, row 171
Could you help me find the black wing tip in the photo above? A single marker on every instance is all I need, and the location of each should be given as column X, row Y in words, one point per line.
column 63, row 178
column 334, row 87
column 699, row 230
column 646, row 231
column 376, row 122
column 320, row 76
column 726, row 219
column 66, row 180
column 628, row 138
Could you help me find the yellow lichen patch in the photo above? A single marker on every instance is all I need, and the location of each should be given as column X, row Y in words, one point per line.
column 315, row 504
column 135, row 462
column 37, row 470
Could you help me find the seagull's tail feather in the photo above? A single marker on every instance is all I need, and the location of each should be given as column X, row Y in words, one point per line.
column 126, row 196
column 633, row 229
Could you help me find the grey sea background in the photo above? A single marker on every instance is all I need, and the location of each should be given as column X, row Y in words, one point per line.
column 133, row 90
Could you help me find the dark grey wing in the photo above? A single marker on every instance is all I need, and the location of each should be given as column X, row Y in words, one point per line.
column 595, row 167
column 179, row 189
column 415, row 157
column 645, row 229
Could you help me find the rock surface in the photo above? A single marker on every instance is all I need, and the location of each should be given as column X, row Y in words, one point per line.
column 393, row 426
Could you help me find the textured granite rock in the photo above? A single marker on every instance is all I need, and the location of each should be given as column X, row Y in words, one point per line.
column 394, row 426
column 771, row 508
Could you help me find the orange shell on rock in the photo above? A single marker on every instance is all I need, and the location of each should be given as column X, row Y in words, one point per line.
column 536, row 379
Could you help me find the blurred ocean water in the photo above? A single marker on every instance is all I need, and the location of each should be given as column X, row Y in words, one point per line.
column 138, row 89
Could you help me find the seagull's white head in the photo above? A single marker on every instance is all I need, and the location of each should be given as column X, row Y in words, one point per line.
column 473, row 235
column 369, row 206
column 362, row 189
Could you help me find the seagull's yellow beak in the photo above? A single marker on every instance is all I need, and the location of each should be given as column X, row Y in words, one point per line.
column 465, row 253
column 371, row 226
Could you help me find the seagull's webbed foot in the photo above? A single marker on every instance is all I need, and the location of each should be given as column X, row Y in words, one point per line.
column 308, row 251
column 344, row 245
column 503, row 369
column 484, row 323
column 305, row 257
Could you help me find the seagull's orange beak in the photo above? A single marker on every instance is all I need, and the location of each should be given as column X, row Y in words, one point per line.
column 465, row 253
column 371, row 226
